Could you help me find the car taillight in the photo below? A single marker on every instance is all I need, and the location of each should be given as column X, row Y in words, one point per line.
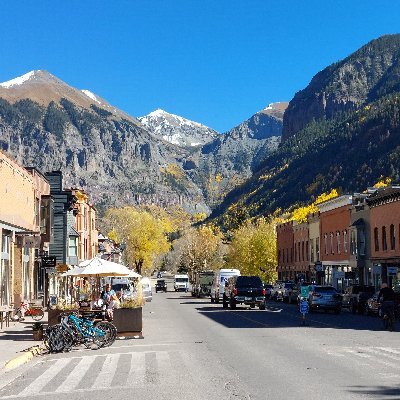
column 264, row 292
column 234, row 291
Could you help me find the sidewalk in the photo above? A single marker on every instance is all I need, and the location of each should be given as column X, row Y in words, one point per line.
column 14, row 340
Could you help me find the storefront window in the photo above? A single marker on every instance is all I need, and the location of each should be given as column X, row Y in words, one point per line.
column 361, row 238
column 26, row 275
column 392, row 238
column 5, row 268
column 72, row 246
column 384, row 244
column 376, row 239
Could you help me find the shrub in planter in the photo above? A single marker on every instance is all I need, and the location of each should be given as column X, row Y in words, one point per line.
column 128, row 317
column 37, row 331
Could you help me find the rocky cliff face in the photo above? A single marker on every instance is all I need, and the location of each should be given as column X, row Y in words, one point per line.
column 47, row 124
column 367, row 74
column 232, row 157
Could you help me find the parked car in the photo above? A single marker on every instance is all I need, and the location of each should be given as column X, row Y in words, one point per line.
column 288, row 292
column 248, row 290
column 202, row 283
column 146, row 289
column 181, row 283
column 268, row 289
column 355, row 297
column 324, row 298
column 284, row 291
column 221, row 276
column 372, row 307
column 161, row 285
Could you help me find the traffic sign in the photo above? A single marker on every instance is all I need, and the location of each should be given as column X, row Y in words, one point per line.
column 304, row 306
column 304, row 291
column 48, row 262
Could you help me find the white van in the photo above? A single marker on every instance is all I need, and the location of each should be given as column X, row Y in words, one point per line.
column 181, row 282
column 220, row 277
column 146, row 289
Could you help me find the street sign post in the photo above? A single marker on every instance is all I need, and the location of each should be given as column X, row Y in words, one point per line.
column 304, row 291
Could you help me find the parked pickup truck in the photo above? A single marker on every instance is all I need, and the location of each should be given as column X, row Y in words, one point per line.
column 247, row 290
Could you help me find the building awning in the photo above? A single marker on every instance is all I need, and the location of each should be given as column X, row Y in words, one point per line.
column 15, row 229
column 358, row 222
column 72, row 232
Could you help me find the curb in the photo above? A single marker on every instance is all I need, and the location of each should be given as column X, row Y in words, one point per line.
column 23, row 358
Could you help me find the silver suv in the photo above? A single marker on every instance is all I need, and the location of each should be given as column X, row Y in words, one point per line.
column 324, row 298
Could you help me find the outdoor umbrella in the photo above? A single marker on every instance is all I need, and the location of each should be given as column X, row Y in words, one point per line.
column 100, row 267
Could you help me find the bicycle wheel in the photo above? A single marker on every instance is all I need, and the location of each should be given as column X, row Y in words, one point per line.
column 18, row 314
column 37, row 314
column 58, row 339
column 110, row 332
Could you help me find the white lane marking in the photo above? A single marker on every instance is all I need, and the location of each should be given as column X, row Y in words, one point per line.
column 375, row 359
column 76, row 375
column 40, row 382
column 107, row 372
column 388, row 349
column 380, row 354
column 137, row 370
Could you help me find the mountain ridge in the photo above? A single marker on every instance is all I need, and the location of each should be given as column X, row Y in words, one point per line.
column 113, row 156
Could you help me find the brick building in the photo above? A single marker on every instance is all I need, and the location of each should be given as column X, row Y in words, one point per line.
column 334, row 237
column 285, row 250
column 384, row 241
column 301, row 265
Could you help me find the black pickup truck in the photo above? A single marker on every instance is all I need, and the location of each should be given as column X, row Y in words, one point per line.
column 248, row 290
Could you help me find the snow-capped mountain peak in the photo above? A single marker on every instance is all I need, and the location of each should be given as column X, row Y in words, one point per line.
column 177, row 130
column 18, row 81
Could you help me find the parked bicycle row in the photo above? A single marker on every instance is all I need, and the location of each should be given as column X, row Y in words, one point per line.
column 74, row 331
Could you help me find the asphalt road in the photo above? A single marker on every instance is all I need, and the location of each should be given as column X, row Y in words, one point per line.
column 193, row 349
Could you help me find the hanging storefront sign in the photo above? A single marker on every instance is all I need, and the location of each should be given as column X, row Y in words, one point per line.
column 49, row 262
column 392, row 270
column 338, row 274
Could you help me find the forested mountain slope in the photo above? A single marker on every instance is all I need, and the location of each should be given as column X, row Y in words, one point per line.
column 349, row 151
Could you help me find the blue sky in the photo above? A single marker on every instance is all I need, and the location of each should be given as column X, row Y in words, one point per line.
column 216, row 62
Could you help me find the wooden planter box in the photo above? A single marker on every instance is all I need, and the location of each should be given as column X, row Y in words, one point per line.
column 128, row 320
column 37, row 335
column 54, row 316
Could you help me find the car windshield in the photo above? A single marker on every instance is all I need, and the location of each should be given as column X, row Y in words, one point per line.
column 288, row 285
column 248, row 281
column 181, row 280
column 324, row 289
column 160, row 282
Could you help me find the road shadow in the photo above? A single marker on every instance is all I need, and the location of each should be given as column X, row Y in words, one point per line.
column 287, row 316
column 18, row 335
column 380, row 392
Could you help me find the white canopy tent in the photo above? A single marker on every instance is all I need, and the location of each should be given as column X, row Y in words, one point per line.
column 100, row 267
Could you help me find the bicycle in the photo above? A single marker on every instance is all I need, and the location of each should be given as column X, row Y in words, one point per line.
column 24, row 309
column 388, row 317
column 84, row 330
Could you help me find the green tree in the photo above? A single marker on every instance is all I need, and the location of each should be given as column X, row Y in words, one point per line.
column 253, row 249
column 145, row 236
